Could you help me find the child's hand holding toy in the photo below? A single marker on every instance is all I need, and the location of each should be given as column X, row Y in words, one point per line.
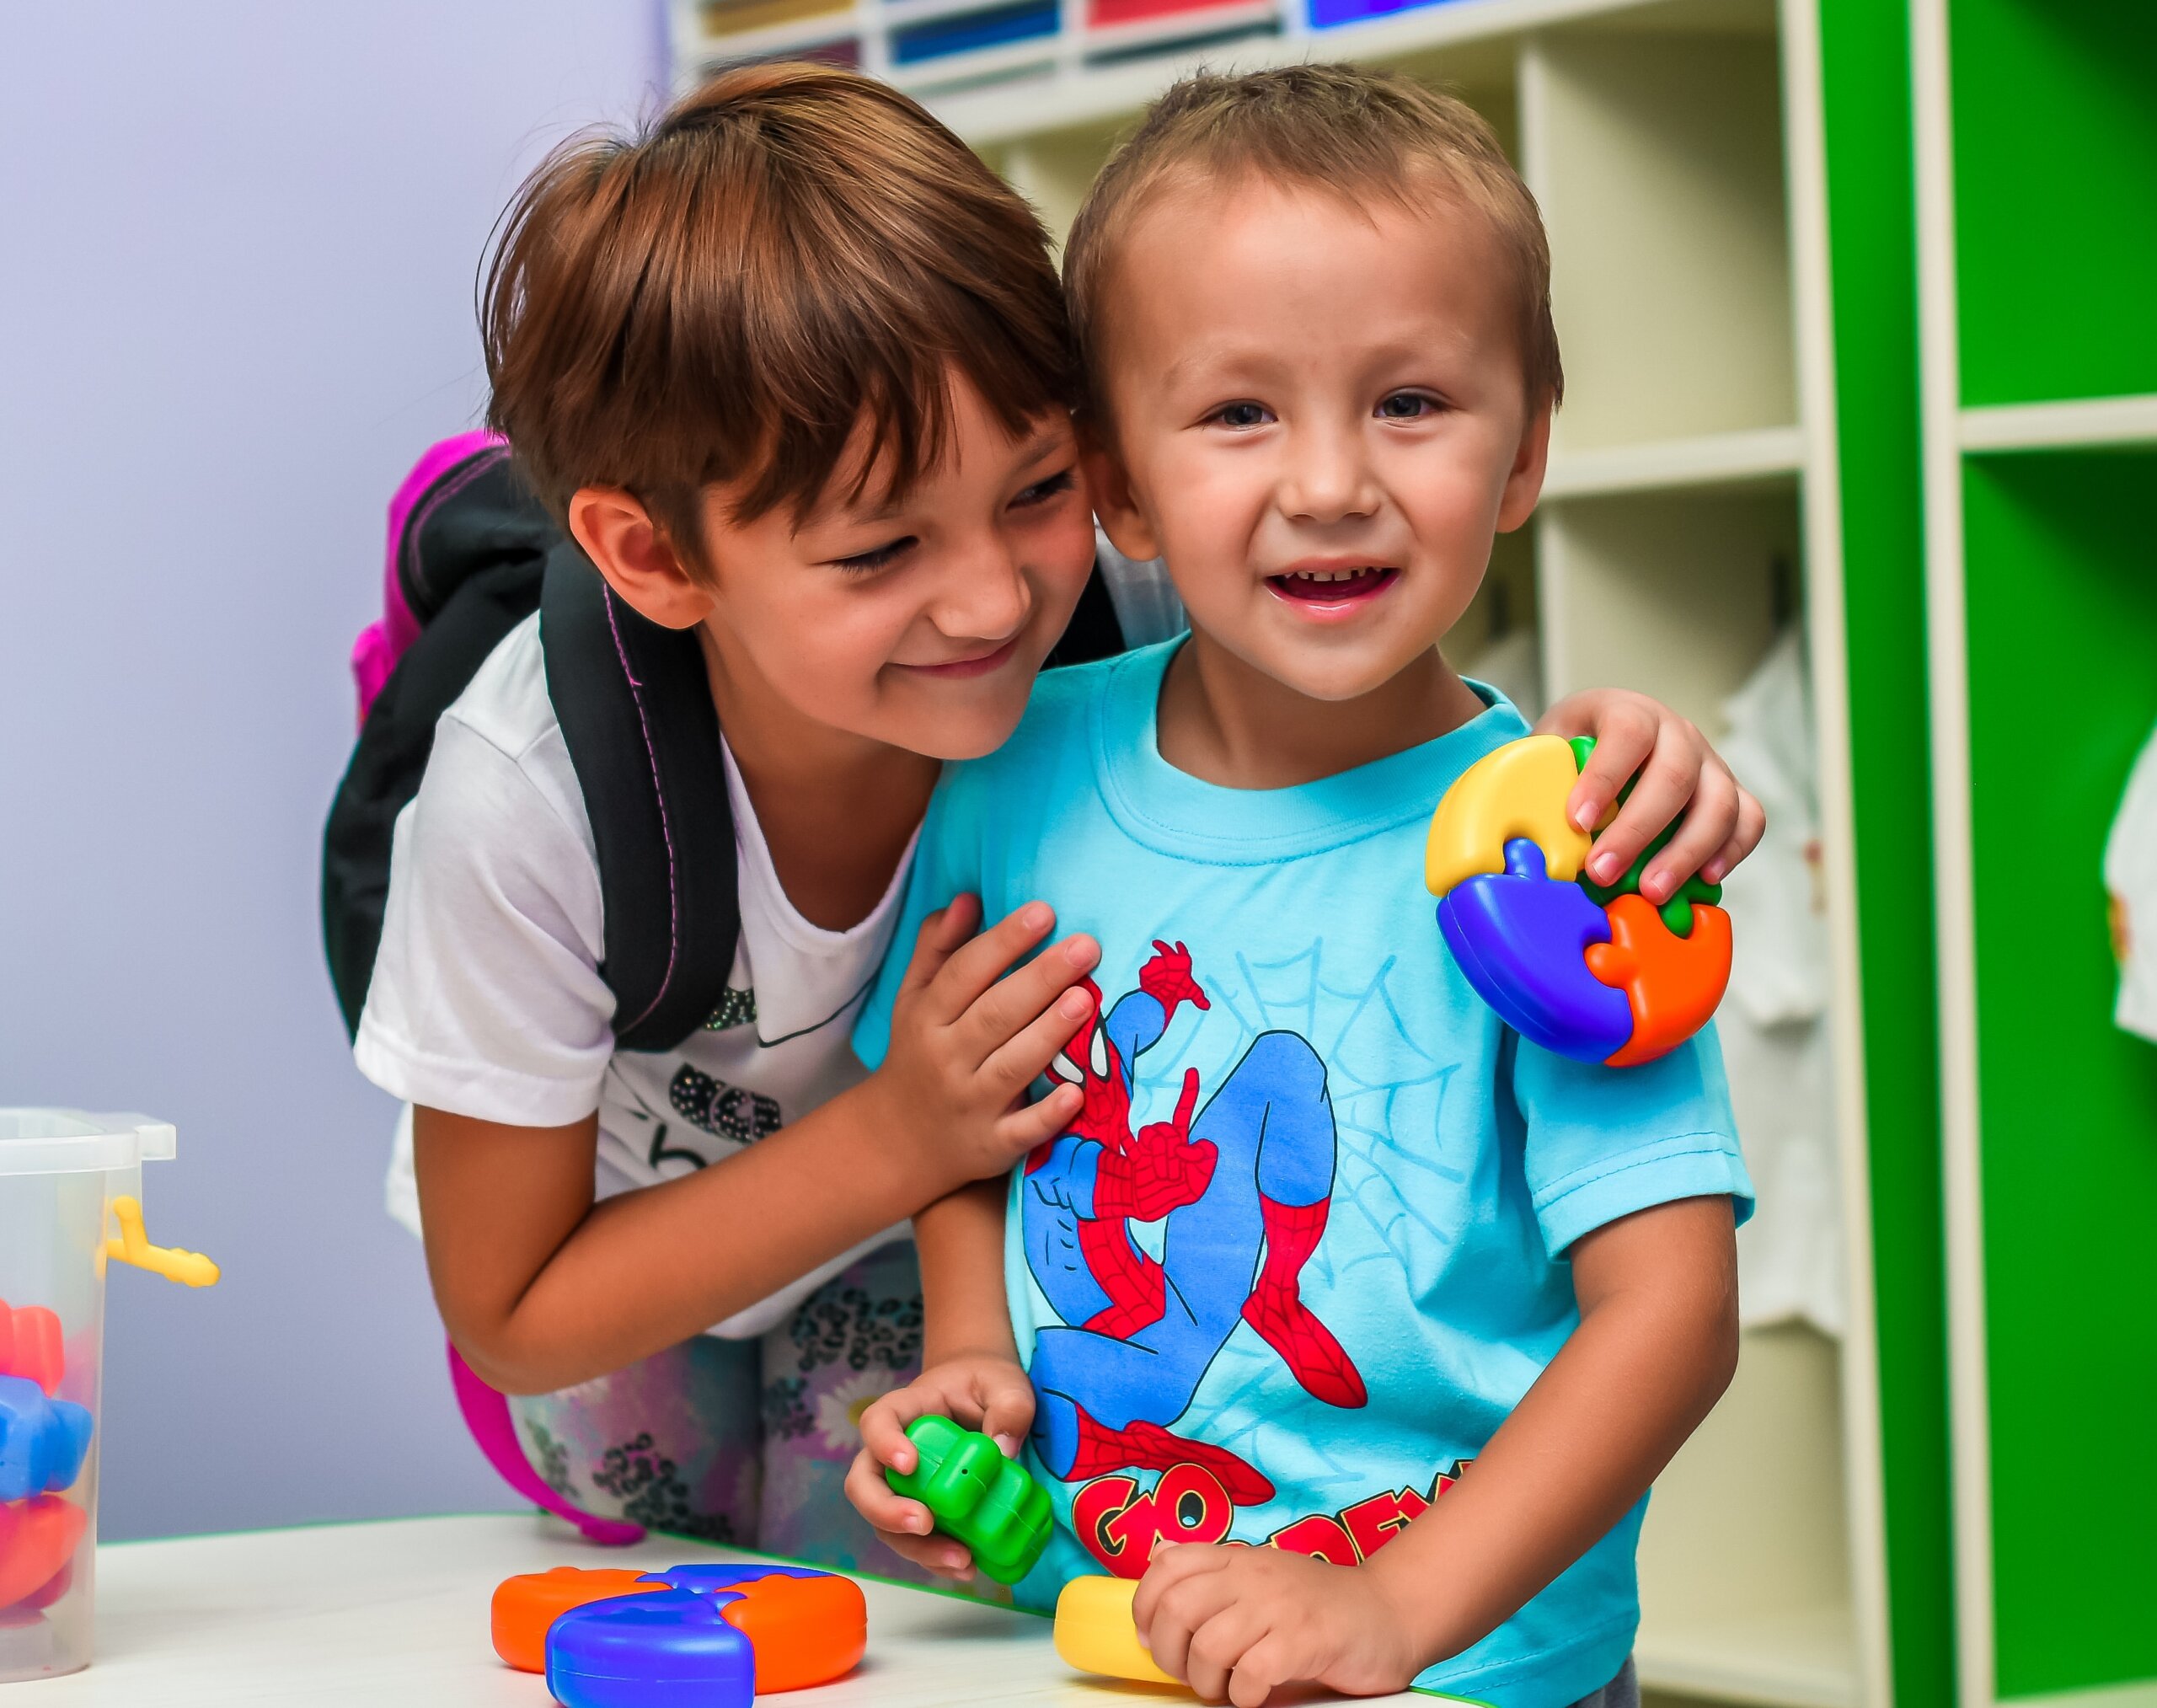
column 1237, row 1622
column 982, row 1391
column 1677, row 770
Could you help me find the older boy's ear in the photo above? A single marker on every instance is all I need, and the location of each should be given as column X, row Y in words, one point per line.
column 1524, row 480
column 1115, row 508
column 638, row 560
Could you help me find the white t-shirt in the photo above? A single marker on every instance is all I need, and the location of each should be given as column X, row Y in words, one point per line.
column 2131, row 882
column 487, row 1001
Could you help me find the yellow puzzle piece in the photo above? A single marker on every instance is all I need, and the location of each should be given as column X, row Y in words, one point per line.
column 187, row 1268
column 1519, row 791
column 1094, row 1632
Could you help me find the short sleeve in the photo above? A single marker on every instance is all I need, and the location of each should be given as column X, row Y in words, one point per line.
column 946, row 862
column 1602, row 1143
column 486, row 999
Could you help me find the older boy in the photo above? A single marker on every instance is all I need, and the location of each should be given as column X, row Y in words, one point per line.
column 1326, row 1241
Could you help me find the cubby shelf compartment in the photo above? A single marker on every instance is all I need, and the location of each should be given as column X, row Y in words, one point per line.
column 1080, row 95
column 1758, row 456
column 1721, row 1616
column 2082, row 423
column 1675, row 593
column 1658, row 161
column 1804, row 1657
column 705, row 39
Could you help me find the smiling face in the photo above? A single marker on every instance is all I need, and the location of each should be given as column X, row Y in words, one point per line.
column 921, row 621
column 1319, row 418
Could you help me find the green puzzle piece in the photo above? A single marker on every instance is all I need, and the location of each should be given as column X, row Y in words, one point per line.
column 1677, row 911
column 977, row 1496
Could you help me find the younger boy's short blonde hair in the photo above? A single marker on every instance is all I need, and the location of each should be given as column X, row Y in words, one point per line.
column 1347, row 129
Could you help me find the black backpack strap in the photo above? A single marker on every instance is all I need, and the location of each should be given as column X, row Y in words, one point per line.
column 635, row 706
column 469, row 563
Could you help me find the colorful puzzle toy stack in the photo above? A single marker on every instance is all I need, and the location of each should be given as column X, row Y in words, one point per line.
column 716, row 1635
column 42, row 1442
column 1590, row 971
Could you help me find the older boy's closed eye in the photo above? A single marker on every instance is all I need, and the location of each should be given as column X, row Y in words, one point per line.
column 1330, row 1259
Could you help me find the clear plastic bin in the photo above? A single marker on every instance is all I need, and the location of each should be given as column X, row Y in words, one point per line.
column 61, row 1173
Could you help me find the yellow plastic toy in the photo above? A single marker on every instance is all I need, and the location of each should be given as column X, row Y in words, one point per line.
column 1520, row 790
column 1094, row 1632
column 187, row 1268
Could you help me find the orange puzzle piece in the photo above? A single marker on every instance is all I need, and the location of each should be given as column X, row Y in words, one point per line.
column 805, row 1631
column 525, row 1606
column 1672, row 983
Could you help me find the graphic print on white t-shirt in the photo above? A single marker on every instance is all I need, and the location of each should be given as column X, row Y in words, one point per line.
column 487, row 999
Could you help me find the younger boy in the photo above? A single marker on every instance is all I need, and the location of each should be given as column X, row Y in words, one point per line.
column 1326, row 1240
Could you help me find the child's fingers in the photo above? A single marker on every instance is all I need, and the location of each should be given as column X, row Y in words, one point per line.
column 944, row 1555
column 1170, row 1565
column 1710, row 818
column 974, row 966
column 1266, row 1662
column 1014, row 1064
column 941, row 934
column 883, row 1430
column 1659, row 794
column 1180, row 1602
column 1217, row 1648
column 1007, row 1411
column 1015, row 1002
column 1752, row 825
column 1033, row 1124
column 881, row 1504
column 1624, row 736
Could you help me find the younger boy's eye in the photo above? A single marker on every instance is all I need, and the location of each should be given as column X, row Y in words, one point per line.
column 1407, row 406
column 1243, row 416
column 877, row 558
column 1042, row 490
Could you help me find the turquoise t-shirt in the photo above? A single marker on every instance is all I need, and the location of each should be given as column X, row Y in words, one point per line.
column 1304, row 1249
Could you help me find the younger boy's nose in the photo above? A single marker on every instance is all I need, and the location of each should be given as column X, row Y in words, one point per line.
column 1326, row 478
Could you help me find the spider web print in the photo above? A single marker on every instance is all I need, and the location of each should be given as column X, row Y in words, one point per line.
column 1388, row 1094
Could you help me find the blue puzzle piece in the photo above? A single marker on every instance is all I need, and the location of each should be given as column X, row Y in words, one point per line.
column 671, row 1648
column 42, row 1442
column 1521, row 939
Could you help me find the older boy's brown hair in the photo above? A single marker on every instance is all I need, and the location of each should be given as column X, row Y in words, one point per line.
column 724, row 296
column 1349, row 131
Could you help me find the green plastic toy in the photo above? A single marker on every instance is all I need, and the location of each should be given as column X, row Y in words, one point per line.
column 977, row 1496
column 1677, row 911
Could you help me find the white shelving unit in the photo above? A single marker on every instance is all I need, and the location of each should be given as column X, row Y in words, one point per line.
column 2082, row 424
column 1687, row 499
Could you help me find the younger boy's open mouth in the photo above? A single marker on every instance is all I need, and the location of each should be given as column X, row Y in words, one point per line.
column 1332, row 586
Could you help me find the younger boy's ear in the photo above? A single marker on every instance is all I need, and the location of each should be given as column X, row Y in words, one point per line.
column 1114, row 507
column 639, row 562
column 1524, row 480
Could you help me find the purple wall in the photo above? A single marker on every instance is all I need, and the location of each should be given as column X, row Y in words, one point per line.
column 238, row 243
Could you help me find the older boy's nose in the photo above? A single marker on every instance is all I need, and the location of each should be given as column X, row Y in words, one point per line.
column 984, row 596
column 1327, row 479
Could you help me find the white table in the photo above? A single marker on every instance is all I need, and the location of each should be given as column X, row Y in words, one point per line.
column 395, row 1615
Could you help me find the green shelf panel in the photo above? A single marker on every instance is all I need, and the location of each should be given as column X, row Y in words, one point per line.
column 2055, row 152
column 2063, row 654
column 1872, row 214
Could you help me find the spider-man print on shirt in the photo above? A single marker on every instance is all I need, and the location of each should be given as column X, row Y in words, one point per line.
column 1242, row 1186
